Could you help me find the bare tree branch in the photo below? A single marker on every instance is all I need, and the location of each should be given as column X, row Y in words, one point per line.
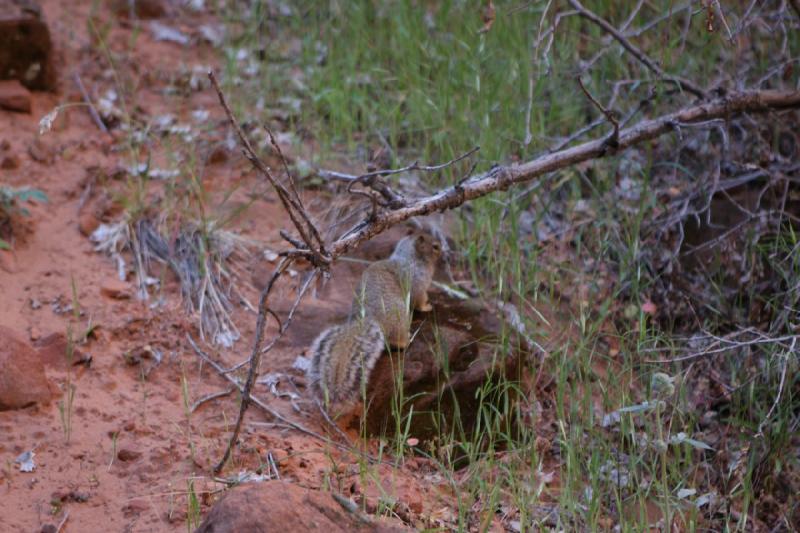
column 502, row 177
column 255, row 358
column 291, row 203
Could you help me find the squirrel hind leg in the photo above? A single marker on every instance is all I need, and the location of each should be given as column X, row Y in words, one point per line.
column 422, row 304
column 398, row 337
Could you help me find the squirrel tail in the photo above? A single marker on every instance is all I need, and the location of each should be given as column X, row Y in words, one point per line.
column 342, row 359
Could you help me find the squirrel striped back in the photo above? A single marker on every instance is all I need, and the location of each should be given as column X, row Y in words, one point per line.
column 342, row 358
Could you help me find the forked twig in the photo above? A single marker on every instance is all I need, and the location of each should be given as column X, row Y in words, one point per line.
column 291, row 203
column 208, row 397
column 684, row 84
column 255, row 358
column 613, row 140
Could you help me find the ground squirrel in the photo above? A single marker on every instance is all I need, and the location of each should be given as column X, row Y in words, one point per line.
column 343, row 356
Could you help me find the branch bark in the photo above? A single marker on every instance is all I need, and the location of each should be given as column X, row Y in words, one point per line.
column 502, row 177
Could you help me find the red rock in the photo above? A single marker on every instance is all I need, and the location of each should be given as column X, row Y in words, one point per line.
column 41, row 152
column 127, row 455
column 14, row 97
column 53, row 351
column 114, row 288
column 219, row 154
column 23, row 381
column 9, row 162
column 87, row 223
column 280, row 507
column 25, row 46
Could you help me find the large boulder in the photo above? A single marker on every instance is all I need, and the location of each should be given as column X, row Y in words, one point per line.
column 282, row 507
column 25, row 46
column 22, row 378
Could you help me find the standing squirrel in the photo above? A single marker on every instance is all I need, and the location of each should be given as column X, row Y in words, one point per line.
column 343, row 356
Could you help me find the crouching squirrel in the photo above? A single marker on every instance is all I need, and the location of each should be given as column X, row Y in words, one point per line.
column 343, row 356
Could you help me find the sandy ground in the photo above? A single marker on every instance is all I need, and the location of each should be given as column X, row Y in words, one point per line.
column 133, row 451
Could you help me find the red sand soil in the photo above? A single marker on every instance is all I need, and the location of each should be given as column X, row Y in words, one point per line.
column 133, row 451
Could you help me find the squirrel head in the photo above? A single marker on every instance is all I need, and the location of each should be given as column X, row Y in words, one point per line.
column 427, row 247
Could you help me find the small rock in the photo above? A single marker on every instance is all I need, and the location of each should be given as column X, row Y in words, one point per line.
column 134, row 508
column 34, row 334
column 219, row 154
column 25, row 45
column 116, row 289
column 54, row 351
column 23, row 381
column 14, row 97
column 87, row 223
column 126, row 455
column 41, row 152
column 9, row 162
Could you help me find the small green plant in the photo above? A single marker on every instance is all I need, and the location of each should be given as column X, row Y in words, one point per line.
column 65, row 410
column 192, row 507
column 10, row 200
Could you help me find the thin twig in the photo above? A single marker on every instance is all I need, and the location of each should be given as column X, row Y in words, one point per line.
column 255, row 358
column 92, row 110
column 208, row 397
column 63, row 521
column 785, row 358
column 292, row 204
column 613, row 139
column 684, row 84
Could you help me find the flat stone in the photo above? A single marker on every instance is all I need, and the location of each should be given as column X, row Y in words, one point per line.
column 465, row 335
column 25, row 45
column 14, row 96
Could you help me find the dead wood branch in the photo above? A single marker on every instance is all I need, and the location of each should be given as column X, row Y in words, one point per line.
column 291, row 202
column 503, row 177
column 88, row 101
column 255, row 356
column 684, row 84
